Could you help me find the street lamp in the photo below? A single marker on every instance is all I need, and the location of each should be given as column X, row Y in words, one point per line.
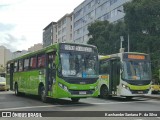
column 121, row 47
column 128, row 32
column 122, row 39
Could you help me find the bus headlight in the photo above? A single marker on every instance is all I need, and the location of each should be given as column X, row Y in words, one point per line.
column 63, row 86
column 60, row 85
column 96, row 88
column 125, row 86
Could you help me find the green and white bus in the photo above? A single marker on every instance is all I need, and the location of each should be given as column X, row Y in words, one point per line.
column 125, row 74
column 62, row 70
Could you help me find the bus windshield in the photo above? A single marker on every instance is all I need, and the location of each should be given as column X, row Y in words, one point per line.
column 77, row 64
column 2, row 79
column 136, row 70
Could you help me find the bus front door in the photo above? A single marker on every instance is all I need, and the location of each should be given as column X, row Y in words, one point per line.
column 114, row 76
column 11, row 75
column 51, row 72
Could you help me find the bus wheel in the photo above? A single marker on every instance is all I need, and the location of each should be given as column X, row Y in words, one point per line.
column 16, row 90
column 75, row 99
column 43, row 94
column 104, row 93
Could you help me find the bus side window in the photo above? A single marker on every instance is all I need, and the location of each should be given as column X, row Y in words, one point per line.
column 33, row 62
column 20, row 65
column 15, row 66
column 41, row 61
column 26, row 64
column 104, row 67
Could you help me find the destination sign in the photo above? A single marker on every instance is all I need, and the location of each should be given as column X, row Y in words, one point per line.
column 137, row 57
column 77, row 48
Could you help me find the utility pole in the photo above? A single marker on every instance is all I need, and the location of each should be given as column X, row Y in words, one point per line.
column 121, row 11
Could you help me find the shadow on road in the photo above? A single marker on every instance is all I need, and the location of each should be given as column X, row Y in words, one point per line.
column 123, row 99
column 51, row 101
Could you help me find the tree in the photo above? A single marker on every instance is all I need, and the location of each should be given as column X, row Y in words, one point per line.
column 106, row 36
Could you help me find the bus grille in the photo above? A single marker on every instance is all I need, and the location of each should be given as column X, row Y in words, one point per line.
column 139, row 91
column 81, row 92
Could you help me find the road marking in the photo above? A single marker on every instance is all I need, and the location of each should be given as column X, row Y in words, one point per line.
column 6, row 92
column 96, row 103
column 18, row 108
column 120, row 102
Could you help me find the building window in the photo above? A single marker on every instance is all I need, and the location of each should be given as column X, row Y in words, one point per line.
column 63, row 21
column 59, row 25
column 64, row 38
column 77, row 13
column 89, row 5
column 97, row 1
column 114, row 12
column 107, row 16
column 59, row 32
column 92, row 3
column 113, row 1
column 78, row 22
column 63, row 30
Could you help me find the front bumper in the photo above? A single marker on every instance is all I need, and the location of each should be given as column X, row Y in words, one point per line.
column 127, row 92
column 3, row 88
column 61, row 93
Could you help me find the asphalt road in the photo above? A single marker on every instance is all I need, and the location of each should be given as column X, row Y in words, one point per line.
column 10, row 102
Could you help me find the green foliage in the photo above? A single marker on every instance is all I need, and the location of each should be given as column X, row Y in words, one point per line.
column 106, row 36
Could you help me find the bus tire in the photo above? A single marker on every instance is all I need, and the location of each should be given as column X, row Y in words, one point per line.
column 104, row 92
column 75, row 99
column 43, row 95
column 16, row 90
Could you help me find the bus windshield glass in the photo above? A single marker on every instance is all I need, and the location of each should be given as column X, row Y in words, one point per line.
column 79, row 64
column 136, row 70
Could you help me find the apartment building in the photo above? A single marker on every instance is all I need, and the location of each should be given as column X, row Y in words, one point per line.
column 18, row 53
column 5, row 55
column 35, row 47
column 64, row 28
column 91, row 10
column 49, row 34
column 60, row 31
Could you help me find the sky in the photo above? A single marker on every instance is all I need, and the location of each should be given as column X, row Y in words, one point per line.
column 22, row 21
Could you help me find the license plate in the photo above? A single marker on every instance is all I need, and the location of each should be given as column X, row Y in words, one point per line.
column 82, row 92
column 140, row 92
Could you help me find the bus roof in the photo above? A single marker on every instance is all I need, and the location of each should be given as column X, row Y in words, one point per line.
column 54, row 46
column 102, row 57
